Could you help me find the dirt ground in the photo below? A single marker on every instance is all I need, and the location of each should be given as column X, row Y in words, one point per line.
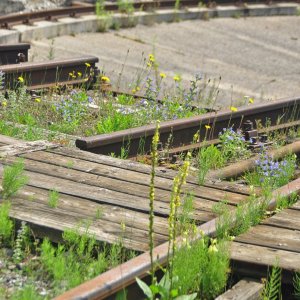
column 257, row 57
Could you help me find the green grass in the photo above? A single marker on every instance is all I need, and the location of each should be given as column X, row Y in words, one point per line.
column 27, row 293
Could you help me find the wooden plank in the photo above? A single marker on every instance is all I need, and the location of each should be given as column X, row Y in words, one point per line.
column 142, row 168
column 245, row 289
column 272, row 237
column 135, row 177
column 296, row 205
column 88, row 175
column 60, row 220
column 7, row 140
column 90, row 209
column 288, row 218
column 20, row 148
column 105, row 196
column 264, row 256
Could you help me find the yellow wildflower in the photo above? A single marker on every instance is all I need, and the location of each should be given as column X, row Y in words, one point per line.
column 71, row 74
column 151, row 58
column 162, row 75
column 233, row 108
column 4, row 103
column 38, row 100
column 105, row 79
column 133, row 91
column 87, row 64
column 177, row 78
column 251, row 100
column 21, row 79
column 207, row 127
column 79, row 74
column 137, row 88
column 149, row 64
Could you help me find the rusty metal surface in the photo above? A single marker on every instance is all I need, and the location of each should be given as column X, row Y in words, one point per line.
column 39, row 75
column 183, row 130
column 12, row 54
column 109, row 283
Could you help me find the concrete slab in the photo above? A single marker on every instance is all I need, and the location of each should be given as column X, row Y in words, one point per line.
column 258, row 57
column 9, row 37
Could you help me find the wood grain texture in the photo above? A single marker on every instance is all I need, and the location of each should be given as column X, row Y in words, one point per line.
column 272, row 237
column 245, row 289
column 264, row 256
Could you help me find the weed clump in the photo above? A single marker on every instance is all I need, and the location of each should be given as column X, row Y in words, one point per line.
column 202, row 267
column 13, row 179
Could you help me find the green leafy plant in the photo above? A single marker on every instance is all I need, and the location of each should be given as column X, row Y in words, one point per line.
column 100, row 8
column 28, row 292
column 202, row 267
column 270, row 173
column 163, row 289
column 13, row 179
column 6, row 224
column 21, row 243
column 296, row 283
column 125, row 6
column 233, row 145
column 272, row 288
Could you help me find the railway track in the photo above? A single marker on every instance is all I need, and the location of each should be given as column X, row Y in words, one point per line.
column 78, row 9
column 272, row 114
column 108, row 284
column 12, row 54
column 40, row 75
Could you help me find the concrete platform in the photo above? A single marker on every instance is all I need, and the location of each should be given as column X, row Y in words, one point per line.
column 258, row 57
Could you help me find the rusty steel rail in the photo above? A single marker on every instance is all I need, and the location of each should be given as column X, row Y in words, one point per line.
column 12, row 54
column 106, row 285
column 183, row 130
column 7, row 21
column 41, row 75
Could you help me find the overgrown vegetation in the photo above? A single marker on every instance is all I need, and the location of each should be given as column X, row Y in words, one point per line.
column 87, row 112
column 79, row 258
column 13, row 179
column 272, row 288
column 195, row 270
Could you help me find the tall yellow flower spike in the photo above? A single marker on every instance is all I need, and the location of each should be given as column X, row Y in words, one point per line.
column 87, row 64
column 233, row 109
column 21, row 79
column 207, row 127
column 251, row 100
column 162, row 75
